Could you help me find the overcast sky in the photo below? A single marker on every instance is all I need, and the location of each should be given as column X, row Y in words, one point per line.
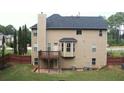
column 19, row 12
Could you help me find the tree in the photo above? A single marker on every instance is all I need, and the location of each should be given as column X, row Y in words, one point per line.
column 3, row 46
column 28, row 37
column 9, row 30
column 25, row 39
column 115, row 21
column 2, row 29
column 15, row 42
column 3, row 51
column 23, row 42
column 20, row 41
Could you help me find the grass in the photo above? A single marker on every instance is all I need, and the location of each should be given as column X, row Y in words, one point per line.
column 23, row 72
column 116, row 53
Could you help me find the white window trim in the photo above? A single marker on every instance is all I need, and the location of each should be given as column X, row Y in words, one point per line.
column 93, row 47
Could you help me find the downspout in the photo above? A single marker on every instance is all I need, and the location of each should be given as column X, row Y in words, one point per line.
column 46, row 39
column 37, row 41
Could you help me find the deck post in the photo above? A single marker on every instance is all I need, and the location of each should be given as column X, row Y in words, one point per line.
column 48, row 61
column 39, row 60
column 59, row 64
column 48, row 56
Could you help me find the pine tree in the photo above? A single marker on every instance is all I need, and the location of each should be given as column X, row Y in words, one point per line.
column 15, row 43
column 3, row 51
column 25, row 40
column 20, row 41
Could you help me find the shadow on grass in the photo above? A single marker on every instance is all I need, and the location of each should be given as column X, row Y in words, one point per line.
column 5, row 66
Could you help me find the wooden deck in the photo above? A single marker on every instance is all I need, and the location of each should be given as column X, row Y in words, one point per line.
column 48, row 56
column 44, row 55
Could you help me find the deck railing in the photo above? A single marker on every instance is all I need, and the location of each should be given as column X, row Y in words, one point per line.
column 49, row 54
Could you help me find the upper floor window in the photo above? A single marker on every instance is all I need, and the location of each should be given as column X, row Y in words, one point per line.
column 68, row 47
column 55, row 44
column 79, row 32
column 35, row 33
column 100, row 33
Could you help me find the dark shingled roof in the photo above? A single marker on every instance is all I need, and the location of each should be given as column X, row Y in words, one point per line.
column 68, row 40
column 74, row 22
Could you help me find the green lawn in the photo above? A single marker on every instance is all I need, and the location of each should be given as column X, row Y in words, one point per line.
column 116, row 53
column 22, row 72
column 12, row 52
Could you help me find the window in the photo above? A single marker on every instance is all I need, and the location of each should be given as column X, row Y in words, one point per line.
column 35, row 49
column 49, row 46
column 93, row 48
column 55, row 44
column 73, row 47
column 78, row 32
column 93, row 61
column 62, row 47
column 36, row 61
column 100, row 33
column 68, row 48
column 35, row 33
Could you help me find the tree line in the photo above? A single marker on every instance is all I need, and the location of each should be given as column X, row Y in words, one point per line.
column 20, row 43
column 22, row 38
column 7, row 30
column 115, row 34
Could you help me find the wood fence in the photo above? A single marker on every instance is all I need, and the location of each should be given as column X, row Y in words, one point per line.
column 17, row 59
column 27, row 59
column 115, row 60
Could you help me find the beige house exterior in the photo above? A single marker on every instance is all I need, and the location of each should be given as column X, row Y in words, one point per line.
column 80, row 41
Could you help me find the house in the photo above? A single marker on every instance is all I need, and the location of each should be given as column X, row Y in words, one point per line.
column 9, row 38
column 69, row 41
column 1, row 38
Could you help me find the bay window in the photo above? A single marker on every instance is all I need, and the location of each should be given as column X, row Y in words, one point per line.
column 68, row 47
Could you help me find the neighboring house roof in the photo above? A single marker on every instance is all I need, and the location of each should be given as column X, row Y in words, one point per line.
column 68, row 40
column 74, row 22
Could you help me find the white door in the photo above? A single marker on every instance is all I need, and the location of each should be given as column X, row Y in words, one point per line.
column 55, row 47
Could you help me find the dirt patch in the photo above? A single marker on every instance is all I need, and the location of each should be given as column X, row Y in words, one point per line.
column 51, row 71
column 110, row 66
